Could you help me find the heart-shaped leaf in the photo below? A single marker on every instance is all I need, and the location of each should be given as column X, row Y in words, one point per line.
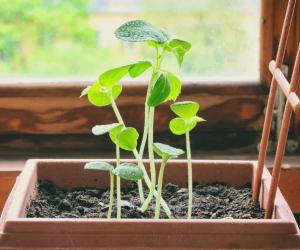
column 128, row 139
column 125, row 138
column 112, row 76
column 129, row 171
column 103, row 129
column 99, row 165
column 165, row 151
column 179, row 48
column 100, row 96
column 140, row 31
column 175, row 86
column 178, row 126
column 139, row 68
column 160, row 91
column 186, row 109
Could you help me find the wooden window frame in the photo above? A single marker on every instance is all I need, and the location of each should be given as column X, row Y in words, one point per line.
column 39, row 116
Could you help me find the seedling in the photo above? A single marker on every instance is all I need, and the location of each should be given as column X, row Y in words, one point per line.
column 165, row 152
column 104, row 166
column 163, row 86
column 187, row 120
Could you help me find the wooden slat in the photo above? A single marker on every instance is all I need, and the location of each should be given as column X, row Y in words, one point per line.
column 51, row 109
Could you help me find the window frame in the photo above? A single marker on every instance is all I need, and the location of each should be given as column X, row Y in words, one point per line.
column 48, row 108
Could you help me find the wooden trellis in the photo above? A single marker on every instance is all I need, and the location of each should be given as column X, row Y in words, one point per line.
column 292, row 104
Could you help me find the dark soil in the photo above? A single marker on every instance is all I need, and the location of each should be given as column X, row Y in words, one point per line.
column 211, row 201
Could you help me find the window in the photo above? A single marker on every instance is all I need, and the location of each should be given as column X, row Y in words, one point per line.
column 74, row 38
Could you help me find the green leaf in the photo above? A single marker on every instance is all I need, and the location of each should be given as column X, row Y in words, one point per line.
column 140, row 31
column 160, row 91
column 175, row 86
column 139, row 68
column 178, row 126
column 128, row 138
column 192, row 122
column 129, row 171
column 180, row 48
column 99, row 165
column 186, row 109
column 166, row 151
column 112, row 76
column 103, row 129
column 100, row 96
column 114, row 133
column 125, row 138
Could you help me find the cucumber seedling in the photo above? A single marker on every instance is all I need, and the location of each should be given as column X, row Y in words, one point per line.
column 163, row 86
column 166, row 152
column 187, row 120
column 104, row 166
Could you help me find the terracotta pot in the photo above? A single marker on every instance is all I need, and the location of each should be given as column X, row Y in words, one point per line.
column 18, row 232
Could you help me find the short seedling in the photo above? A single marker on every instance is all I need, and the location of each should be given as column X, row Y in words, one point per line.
column 166, row 152
column 124, row 138
column 104, row 166
column 163, row 86
column 187, row 120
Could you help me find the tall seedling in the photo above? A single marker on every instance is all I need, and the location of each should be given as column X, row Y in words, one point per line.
column 187, row 120
column 163, row 86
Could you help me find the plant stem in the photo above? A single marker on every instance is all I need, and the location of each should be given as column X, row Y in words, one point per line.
column 148, row 182
column 120, row 120
column 111, row 194
column 140, row 163
column 118, row 185
column 159, row 187
column 152, row 163
column 190, row 174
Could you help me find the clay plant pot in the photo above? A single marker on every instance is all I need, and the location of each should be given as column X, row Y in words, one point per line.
column 18, row 232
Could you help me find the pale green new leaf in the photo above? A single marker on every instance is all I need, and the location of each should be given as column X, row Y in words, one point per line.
column 103, row 129
column 165, row 151
column 160, row 91
column 114, row 133
column 139, row 68
column 140, row 31
column 186, row 109
column 112, row 76
column 100, row 96
column 192, row 122
column 180, row 48
column 180, row 126
column 127, row 138
column 129, row 171
column 177, row 126
column 99, row 165
column 175, row 86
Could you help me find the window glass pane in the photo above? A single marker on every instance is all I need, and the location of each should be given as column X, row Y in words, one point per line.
column 70, row 38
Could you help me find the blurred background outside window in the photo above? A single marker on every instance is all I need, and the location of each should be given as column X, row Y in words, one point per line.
column 75, row 38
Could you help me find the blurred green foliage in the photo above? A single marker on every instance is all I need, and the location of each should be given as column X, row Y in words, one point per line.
column 65, row 38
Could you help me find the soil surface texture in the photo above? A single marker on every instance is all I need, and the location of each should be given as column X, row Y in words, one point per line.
column 210, row 201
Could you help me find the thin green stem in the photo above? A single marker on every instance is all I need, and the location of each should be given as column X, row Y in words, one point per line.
column 118, row 185
column 152, row 163
column 159, row 187
column 141, row 164
column 111, row 194
column 190, row 174
column 120, row 120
